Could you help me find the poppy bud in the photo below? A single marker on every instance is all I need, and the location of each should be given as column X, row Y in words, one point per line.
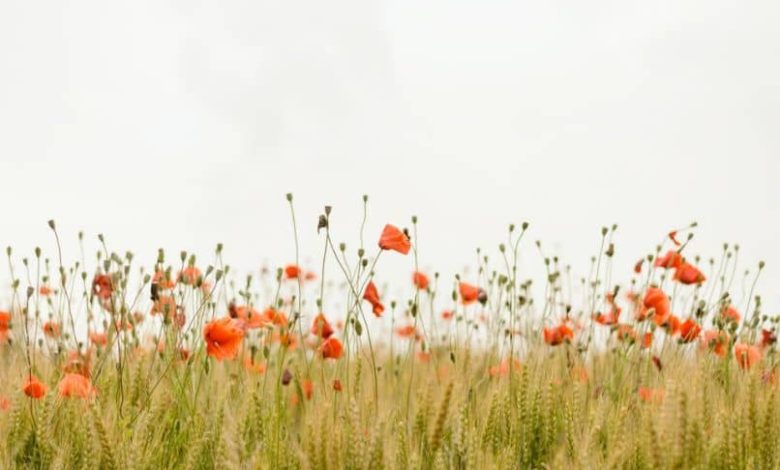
column 289, row 197
column 286, row 377
column 51, row 224
column 482, row 297
column 322, row 223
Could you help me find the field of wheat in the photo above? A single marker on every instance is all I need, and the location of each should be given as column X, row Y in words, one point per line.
column 182, row 363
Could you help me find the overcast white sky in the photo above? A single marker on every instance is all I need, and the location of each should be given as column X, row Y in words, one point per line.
column 181, row 124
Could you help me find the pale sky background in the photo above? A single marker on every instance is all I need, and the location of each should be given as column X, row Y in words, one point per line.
column 180, row 124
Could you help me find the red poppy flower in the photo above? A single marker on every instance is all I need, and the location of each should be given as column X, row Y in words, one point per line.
column 647, row 340
column 650, row 395
column 102, row 286
column 689, row 330
column 76, row 385
column 747, row 355
column 732, row 314
column 372, row 296
column 98, row 339
column 557, row 335
column 223, row 338
column 420, row 280
column 161, row 278
column 5, row 326
column 337, row 385
column 672, row 259
column 331, row 348
column 308, row 388
column 688, row 274
column 275, row 317
column 51, row 329
column 321, row 327
column 189, row 275
column 610, row 318
column 716, row 341
column 468, row 293
column 292, row 271
column 502, row 369
column 394, row 239
column 768, row 337
column 34, row 388
column 656, row 299
column 45, row 291
column 250, row 317
column 447, row 315
column 252, row 366
column 626, row 332
column 408, row 331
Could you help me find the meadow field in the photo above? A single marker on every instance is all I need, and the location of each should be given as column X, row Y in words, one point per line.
column 112, row 362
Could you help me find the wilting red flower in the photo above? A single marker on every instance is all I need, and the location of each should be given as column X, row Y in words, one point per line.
column 747, row 355
column 647, row 340
column 673, row 237
column 447, row 315
column 223, row 338
column 51, row 329
column 656, row 299
column 768, row 337
column 321, row 327
column 34, row 388
column 98, row 339
column 651, row 395
column 688, row 274
column 189, row 275
column 76, row 385
column 5, row 326
column 420, row 280
column 102, row 286
column 731, row 313
column 161, row 278
column 292, row 271
column 337, row 385
column 372, row 296
column 638, row 266
column 716, row 341
column 689, row 330
column 657, row 363
column 331, row 348
column 672, row 259
column 557, row 335
column 394, row 239
column 468, row 293
column 502, row 369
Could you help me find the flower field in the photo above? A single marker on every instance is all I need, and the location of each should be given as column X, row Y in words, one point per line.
column 108, row 362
